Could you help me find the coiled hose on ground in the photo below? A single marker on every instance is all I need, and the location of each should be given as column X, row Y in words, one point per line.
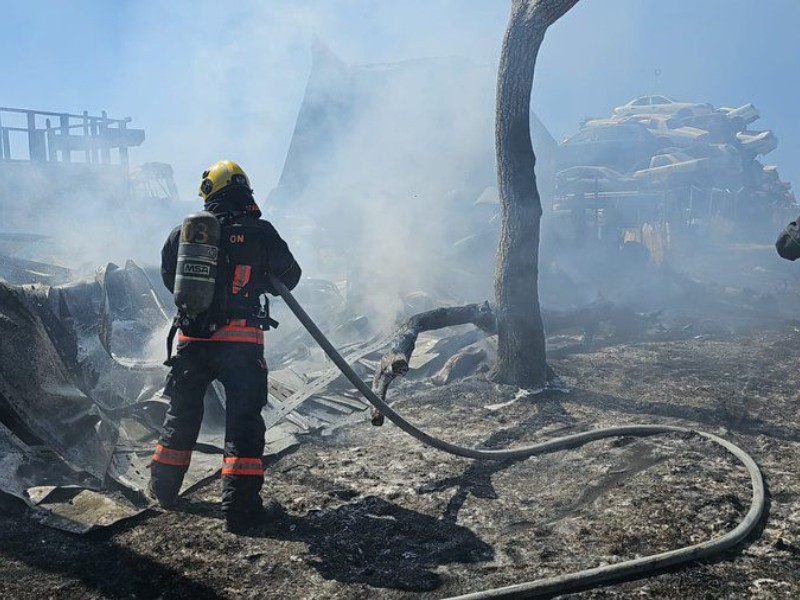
column 579, row 580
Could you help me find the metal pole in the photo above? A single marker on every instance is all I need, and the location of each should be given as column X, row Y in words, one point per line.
column 105, row 147
column 123, row 148
column 86, row 136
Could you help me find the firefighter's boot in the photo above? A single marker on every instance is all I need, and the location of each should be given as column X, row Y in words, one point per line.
column 166, row 478
column 249, row 523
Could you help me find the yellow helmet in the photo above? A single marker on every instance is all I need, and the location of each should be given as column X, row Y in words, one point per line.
column 221, row 175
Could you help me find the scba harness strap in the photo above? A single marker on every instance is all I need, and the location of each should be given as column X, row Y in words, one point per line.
column 221, row 322
column 239, row 329
column 170, row 340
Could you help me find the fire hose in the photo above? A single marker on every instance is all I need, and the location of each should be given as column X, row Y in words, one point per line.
column 588, row 578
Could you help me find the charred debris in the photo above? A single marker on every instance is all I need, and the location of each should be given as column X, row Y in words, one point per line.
column 638, row 188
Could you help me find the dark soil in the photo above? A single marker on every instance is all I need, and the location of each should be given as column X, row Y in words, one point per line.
column 370, row 513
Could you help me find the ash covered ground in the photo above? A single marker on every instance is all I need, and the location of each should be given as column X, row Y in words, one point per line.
column 369, row 512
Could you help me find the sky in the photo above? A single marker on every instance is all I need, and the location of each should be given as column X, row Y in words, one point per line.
column 208, row 80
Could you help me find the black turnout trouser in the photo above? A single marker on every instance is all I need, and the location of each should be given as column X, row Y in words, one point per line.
column 241, row 369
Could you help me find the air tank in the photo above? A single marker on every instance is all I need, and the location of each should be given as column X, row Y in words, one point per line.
column 196, row 272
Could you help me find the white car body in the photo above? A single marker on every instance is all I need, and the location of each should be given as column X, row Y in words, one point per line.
column 664, row 165
column 662, row 105
column 747, row 113
column 760, row 142
column 664, row 126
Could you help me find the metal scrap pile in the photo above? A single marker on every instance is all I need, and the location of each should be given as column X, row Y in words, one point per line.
column 80, row 398
column 80, row 393
column 77, row 395
column 657, row 161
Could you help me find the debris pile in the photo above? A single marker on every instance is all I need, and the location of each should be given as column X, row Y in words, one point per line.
column 80, row 392
column 658, row 168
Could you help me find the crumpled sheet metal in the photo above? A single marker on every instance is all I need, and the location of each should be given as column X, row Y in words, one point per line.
column 62, row 397
column 23, row 466
column 25, row 471
column 36, row 390
column 114, row 367
column 80, row 399
column 81, row 404
column 79, row 510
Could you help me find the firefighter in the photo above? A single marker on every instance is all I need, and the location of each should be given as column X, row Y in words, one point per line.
column 224, row 343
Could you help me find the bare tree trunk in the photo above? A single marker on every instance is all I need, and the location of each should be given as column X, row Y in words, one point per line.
column 521, row 357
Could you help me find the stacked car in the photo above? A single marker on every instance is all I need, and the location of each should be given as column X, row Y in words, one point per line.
column 669, row 164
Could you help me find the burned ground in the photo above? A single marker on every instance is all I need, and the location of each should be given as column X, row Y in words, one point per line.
column 369, row 512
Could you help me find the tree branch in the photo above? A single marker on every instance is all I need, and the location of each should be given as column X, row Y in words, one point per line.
column 395, row 362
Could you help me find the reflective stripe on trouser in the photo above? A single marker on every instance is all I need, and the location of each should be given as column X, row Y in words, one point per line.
column 242, row 479
column 167, row 471
column 235, row 465
column 175, row 458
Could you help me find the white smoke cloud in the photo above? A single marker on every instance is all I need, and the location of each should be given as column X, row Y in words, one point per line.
column 208, row 81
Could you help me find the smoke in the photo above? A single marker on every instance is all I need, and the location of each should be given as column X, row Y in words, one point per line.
column 397, row 189
column 384, row 204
